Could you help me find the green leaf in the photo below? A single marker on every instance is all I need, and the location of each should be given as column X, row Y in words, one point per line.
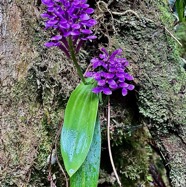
column 78, row 128
column 88, row 173
column 180, row 8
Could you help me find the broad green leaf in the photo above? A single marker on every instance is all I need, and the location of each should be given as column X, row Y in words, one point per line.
column 87, row 175
column 78, row 128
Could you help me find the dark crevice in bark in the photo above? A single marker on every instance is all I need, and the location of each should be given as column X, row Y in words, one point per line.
column 165, row 158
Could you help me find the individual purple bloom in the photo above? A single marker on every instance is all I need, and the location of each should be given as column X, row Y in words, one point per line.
column 109, row 71
column 71, row 19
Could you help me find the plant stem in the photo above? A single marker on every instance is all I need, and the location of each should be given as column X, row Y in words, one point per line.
column 109, row 147
column 74, row 59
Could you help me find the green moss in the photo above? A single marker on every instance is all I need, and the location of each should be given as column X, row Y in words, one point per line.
column 161, row 99
column 162, row 73
column 135, row 163
column 165, row 14
column 33, row 123
column 39, row 99
column 160, row 77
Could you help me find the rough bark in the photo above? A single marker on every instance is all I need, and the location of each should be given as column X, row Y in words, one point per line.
column 147, row 125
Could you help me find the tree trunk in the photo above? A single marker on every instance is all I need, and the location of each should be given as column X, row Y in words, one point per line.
column 148, row 126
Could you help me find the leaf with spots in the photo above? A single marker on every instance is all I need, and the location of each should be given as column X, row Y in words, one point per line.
column 88, row 173
column 78, row 128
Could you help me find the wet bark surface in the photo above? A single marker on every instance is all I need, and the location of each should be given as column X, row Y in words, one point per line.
column 148, row 126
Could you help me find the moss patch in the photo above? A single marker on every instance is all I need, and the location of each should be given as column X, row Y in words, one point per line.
column 34, row 105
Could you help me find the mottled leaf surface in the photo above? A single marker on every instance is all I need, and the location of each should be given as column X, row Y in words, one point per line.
column 87, row 175
column 78, row 128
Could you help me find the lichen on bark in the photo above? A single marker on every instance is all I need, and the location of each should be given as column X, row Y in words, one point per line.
column 38, row 81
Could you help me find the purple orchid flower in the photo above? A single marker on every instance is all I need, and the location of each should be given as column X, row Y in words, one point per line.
column 71, row 19
column 112, row 75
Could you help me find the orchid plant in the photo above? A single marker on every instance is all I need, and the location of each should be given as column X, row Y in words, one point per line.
column 80, row 140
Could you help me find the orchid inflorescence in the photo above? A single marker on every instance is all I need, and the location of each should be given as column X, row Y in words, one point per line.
column 73, row 23
column 80, row 142
column 109, row 71
column 72, row 20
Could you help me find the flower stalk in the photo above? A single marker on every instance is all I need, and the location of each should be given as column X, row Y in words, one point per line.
column 74, row 59
column 109, row 146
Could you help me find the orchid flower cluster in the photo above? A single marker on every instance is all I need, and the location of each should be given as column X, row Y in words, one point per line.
column 71, row 19
column 80, row 142
column 112, row 74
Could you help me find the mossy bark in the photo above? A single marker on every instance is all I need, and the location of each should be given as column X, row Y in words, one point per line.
column 36, row 83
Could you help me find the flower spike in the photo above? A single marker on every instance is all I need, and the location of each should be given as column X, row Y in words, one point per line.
column 71, row 19
column 109, row 71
